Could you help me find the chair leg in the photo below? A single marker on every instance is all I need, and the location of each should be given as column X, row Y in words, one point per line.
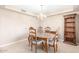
column 29, row 41
column 31, row 47
column 46, row 47
column 42, row 45
column 35, row 48
column 54, row 48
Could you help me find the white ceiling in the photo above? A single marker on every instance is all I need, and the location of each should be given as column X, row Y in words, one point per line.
column 33, row 7
column 47, row 9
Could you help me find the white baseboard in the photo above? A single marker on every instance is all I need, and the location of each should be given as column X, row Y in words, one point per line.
column 10, row 43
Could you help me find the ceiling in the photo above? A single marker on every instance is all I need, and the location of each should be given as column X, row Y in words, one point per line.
column 36, row 9
column 49, row 7
column 46, row 9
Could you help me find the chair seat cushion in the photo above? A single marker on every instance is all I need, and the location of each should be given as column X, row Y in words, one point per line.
column 51, row 39
column 37, row 41
column 50, row 42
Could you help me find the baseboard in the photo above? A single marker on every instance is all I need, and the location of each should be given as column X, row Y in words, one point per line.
column 77, row 43
column 10, row 43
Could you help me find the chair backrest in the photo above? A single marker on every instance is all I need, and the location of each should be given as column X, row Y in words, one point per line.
column 53, row 36
column 55, row 33
column 47, row 29
column 32, row 33
column 40, row 29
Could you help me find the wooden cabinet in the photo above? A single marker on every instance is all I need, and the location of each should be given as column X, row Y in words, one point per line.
column 70, row 28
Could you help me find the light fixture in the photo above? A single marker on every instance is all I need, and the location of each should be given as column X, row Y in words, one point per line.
column 41, row 16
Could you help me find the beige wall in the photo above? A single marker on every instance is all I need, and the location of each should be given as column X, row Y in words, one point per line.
column 56, row 23
column 14, row 25
column 77, row 28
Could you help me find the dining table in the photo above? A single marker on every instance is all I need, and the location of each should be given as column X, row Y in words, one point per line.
column 45, row 37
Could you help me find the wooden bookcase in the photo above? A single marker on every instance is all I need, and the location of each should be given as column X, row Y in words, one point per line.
column 69, row 28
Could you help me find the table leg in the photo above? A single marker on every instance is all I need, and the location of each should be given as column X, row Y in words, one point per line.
column 46, row 47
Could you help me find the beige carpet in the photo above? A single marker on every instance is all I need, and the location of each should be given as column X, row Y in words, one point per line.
column 22, row 47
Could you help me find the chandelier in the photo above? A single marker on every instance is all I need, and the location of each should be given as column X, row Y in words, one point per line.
column 41, row 16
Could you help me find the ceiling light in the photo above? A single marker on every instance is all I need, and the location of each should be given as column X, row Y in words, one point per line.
column 41, row 15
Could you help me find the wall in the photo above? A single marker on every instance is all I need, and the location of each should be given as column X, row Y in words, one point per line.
column 77, row 28
column 56, row 23
column 14, row 25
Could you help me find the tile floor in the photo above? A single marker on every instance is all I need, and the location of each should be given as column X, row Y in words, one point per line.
column 22, row 47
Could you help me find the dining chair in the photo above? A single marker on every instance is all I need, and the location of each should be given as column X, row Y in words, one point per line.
column 53, row 40
column 29, row 38
column 33, row 39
